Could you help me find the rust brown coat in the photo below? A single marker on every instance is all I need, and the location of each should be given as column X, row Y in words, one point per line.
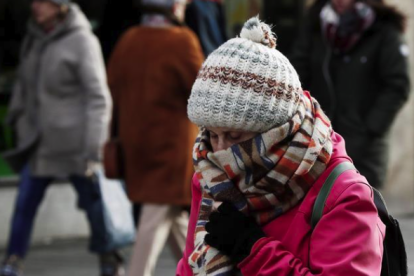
column 150, row 75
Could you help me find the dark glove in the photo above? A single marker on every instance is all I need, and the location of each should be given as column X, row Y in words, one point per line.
column 232, row 232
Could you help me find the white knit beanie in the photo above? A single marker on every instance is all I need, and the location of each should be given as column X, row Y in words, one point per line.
column 246, row 84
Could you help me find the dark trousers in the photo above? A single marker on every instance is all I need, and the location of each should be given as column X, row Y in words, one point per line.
column 30, row 195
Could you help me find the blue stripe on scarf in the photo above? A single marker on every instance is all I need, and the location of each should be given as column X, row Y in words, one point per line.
column 236, row 151
column 258, row 140
column 207, row 201
column 278, row 211
column 239, row 158
column 221, row 187
column 240, row 205
column 201, row 223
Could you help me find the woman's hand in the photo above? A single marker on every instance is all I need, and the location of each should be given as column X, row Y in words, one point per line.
column 232, row 232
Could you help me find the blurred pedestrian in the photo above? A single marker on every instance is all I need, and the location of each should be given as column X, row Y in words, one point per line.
column 207, row 19
column 150, row 74
column 60, row 109
column 353, row 59
column 110, row 30
column 263, row 153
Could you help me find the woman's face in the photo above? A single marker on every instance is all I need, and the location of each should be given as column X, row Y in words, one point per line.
column 342, row 6
column 223, row 138
column 44, row 12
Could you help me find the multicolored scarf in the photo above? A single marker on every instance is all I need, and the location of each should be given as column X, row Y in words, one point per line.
column 263, row 177
column 344, row 31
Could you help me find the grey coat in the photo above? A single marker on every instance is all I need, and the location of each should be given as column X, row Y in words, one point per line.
column 61, row 105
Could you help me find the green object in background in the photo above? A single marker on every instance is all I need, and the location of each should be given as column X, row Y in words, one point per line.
column 6, row 142
column 5, row 171
column 7, row 78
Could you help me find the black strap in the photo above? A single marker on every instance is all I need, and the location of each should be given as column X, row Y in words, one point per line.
column 381, row 206
column 326, row 189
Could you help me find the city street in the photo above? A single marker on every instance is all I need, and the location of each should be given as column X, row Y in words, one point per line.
column 68, row 258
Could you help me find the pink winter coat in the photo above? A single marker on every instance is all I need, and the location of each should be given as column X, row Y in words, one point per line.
column 348, row 240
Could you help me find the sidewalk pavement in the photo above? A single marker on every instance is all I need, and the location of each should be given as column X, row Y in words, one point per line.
column 69, row 258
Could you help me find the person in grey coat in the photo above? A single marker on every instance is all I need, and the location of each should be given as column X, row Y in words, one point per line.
column 60, row 110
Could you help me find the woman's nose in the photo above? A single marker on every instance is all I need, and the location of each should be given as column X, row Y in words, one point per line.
column 222, row 144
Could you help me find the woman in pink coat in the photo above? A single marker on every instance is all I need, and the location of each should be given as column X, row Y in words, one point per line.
column 264, row 150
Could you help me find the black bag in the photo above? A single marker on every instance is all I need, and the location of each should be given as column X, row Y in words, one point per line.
column 394, row 261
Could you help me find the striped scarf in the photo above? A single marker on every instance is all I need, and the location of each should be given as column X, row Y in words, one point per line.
column 263, row 177
column 343, row 31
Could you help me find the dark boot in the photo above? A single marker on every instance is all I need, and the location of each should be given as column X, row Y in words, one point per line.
column 12, row 266
column 112, row 264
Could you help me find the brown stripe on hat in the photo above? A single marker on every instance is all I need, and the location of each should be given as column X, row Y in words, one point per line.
column 269, row 86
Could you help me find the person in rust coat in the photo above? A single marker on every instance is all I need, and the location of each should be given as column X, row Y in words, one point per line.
column 150, row 74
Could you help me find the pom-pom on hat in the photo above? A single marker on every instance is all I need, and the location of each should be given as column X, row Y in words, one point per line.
column 246, row 84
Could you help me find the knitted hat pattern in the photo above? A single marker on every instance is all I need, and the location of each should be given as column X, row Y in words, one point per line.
column 246, row 84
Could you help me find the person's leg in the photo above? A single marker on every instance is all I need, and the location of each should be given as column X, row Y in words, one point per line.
column 154, row 227
column 30, row 194
column 90, row 200
column 178, row 235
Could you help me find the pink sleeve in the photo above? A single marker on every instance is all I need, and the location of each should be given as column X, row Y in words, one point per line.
column 183, row 269
column 347, row 241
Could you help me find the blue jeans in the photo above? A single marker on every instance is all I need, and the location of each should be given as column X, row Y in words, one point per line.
column 30, row 195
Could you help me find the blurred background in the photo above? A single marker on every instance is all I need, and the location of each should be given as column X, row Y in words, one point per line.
column 59, row 220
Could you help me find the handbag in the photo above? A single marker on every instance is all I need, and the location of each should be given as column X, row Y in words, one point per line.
column 113, row 158
column 117, row 212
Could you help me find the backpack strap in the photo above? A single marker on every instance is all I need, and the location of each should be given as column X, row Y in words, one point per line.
column 326, row 189
column 381, row 206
